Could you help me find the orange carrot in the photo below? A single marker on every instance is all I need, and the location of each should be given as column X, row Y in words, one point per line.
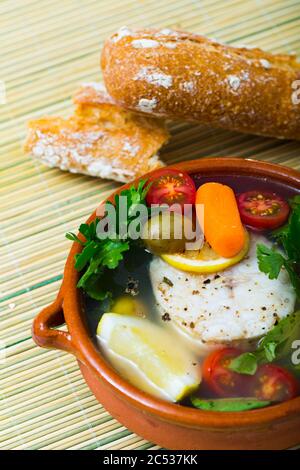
column 221, row 222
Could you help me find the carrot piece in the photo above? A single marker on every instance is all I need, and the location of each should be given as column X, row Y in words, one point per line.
column 221, row 222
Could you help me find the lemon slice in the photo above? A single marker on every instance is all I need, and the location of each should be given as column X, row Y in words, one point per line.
column 206, row 260
column 146, row 355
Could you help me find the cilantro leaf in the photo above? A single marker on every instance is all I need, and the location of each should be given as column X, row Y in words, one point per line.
column 112, row 253
column 277, row 344
column 291, row 240
column 270, row 350
column 102, row 254
column 270, row 261
column 95, row 287
column 282, row 335
column 290, row 266
column 107, row 254
column 101, row 287
column 84, row 229
column 73, row 237
column 295, row 202
column 87, row 253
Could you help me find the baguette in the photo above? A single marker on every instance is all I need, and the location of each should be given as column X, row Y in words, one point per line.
column 99, row 139
column 179, row 75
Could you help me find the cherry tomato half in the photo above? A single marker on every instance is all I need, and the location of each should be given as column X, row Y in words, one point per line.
column 170, row 186
column 263, row 210
column 221, row 380
column 273, row 383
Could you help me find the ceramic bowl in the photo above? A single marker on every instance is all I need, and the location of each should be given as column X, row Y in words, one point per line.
column 169, row 425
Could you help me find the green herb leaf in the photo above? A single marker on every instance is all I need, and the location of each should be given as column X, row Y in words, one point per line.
column 87, row 253
column 287, row 327
column 101, row 287
column 277, row 344
column 269, row 261
column 244, row 364
column 295, row 202
column 281, row 338
column 85, row 230
column 293, row 275
column 112, row 253
column 270, row 350
column 99, row 255
column 229, row 404
column 71, row 236
column 291, row 238
column 96, row 288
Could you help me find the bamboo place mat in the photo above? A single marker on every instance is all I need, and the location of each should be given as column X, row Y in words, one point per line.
column 47, row 49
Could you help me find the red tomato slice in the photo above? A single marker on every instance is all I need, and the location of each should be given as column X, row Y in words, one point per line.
column 273, row 383
column 170, row 186
column 263, row 210
column 221, row 380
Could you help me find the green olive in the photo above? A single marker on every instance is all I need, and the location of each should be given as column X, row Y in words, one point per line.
column 126, row 305
column 165, row 232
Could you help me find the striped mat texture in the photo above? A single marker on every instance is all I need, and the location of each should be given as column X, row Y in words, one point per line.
column 47, row 49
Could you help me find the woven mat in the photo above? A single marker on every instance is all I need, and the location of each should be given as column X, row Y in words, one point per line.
column 47, row 49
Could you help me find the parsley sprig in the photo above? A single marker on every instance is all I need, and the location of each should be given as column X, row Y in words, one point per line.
column 272, row 260
column 100, row 254
column 277, row 344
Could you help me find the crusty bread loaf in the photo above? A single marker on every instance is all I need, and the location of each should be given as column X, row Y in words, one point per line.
column 186, row 76
column 99, row 139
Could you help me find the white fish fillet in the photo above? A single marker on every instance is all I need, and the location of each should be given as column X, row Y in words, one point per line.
column 240, row 303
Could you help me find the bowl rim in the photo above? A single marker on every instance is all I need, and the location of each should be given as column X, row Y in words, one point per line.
column 88, row 353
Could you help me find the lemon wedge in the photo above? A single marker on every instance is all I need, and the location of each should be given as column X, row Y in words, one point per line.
column 206, row 260
column 146, row 355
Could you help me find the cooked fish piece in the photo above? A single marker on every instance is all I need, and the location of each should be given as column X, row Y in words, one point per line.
column 240, row 303
column 100, row 139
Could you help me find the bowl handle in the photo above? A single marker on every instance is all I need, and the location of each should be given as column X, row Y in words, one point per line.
column 43, row 331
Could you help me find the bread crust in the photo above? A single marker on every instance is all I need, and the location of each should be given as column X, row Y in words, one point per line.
column 99, row 139
column 185, row 76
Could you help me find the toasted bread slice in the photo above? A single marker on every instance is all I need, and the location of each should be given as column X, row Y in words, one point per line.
column 100, row 139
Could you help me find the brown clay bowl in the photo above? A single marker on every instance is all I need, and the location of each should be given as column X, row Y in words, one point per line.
column 169, row 425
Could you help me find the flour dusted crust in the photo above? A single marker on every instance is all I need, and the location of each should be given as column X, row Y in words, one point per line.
column 186, row 76
column 99, row 139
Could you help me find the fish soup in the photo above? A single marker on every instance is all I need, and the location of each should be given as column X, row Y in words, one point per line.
column 214, row 328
